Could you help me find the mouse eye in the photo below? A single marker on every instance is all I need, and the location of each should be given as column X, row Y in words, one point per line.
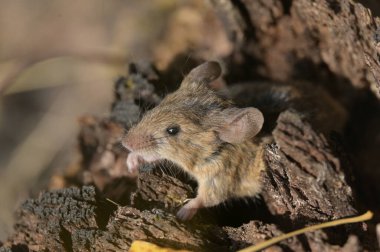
column 173, row 130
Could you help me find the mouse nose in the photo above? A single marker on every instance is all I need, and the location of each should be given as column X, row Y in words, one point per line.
column 135, row 141
column 127, row 142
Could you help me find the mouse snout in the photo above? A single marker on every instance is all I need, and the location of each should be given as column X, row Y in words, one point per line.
column 135, row 142
column 126, row 142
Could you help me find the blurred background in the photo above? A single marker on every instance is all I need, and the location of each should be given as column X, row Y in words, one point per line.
column 59, row 60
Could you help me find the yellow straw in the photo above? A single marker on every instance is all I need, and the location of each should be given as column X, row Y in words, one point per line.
column 364, row 217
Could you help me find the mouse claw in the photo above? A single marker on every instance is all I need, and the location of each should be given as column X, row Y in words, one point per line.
column 188, row 211
column 186, row 200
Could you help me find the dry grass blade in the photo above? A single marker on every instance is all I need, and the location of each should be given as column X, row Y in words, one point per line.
column 364, row 217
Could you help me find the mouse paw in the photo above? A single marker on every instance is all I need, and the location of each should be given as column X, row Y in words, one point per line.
column 189, row 210
column 133, row 163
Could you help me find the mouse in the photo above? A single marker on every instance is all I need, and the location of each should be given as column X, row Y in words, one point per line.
column 205, row 135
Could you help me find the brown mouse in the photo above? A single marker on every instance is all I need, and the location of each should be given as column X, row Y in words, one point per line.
column 205, row 135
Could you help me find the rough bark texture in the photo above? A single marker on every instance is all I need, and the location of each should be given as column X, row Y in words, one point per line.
column 298, row 39
column 328, row 44
column 305, row 180
column 75, row 219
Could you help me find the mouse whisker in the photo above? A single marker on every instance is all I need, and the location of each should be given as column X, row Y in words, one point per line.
column 166, row 168
column 159, row 167
column 162, row 168
column 174, row 171
column 171, row 168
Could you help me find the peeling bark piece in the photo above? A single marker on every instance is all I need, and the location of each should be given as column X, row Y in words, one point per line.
column 304, row 180
column 77, row 219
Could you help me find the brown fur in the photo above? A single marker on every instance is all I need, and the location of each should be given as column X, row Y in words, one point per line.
column 222, row 169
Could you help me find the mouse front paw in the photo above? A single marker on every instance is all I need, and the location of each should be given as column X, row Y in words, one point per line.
column 133, row 163
column 188, row 211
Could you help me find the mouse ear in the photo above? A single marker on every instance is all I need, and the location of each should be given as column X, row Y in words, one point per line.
column 239, row 125
column 203, row 74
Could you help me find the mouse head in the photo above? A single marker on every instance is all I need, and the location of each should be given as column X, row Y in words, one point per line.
column 189, row 125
